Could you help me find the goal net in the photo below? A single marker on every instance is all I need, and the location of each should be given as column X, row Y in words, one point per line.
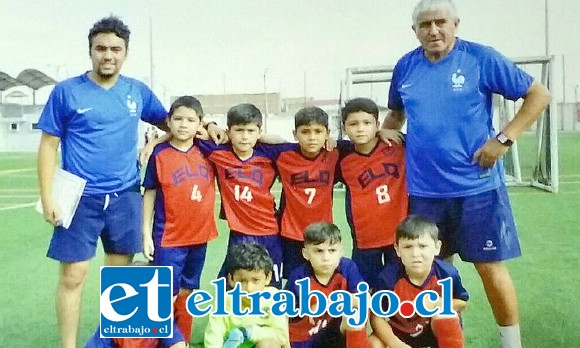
column 531, row 161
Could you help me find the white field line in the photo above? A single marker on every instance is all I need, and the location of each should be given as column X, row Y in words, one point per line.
column 18, row 196
column 18, row 190
column 20, row 176
column 13, row 157
column 18, row 206
column 540, row 192
column 12, row 171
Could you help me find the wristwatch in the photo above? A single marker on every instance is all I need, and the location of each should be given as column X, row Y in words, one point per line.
column 504, row 140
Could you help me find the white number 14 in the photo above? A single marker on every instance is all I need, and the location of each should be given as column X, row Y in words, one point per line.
column 243, row 194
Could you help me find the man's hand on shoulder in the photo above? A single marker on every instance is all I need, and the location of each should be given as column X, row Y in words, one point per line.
column 147, row 150
column 217, row 134
column 330, row 144
column 390, row 136
column 202, row 134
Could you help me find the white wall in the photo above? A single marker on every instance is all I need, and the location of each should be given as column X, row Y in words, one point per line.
column 24, row 139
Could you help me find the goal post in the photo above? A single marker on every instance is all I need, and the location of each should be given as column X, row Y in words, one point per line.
column 534, row 164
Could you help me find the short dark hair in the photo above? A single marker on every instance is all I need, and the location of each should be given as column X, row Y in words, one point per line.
column 321, row 232
column 244, row 114
column 250, row 257
column 360, row 104
column 111, row 24
column 309, row 115
column 414, row 226
column 189, row 102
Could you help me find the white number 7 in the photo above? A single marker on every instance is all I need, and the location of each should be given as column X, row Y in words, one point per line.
column 311, row 192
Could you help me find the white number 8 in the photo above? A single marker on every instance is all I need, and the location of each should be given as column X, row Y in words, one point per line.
column 383, row 194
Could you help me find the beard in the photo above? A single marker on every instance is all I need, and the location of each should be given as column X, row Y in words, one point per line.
column 105, row 76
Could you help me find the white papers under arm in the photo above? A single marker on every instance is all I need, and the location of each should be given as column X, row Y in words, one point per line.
column 67, row 190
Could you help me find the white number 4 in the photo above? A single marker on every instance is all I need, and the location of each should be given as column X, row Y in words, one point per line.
column 383, row 194
column 242, row 195
column 196, row 194
column 311, row 192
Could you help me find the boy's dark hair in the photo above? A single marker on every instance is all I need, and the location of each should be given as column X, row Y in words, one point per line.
column 360, row 104
column 189, row 102
column 320, row 232
column 414, row 226
column 244, row 114
column 111, row 24
column 250, row 257
column 310, row 114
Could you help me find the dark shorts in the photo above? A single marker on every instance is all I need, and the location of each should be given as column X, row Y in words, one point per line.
column 480, row 228
column 371, row 262
column 116, row 218
column 292, row 255
column 187, row 263
column 426, row 339
column 272, row 243
column 328, row 337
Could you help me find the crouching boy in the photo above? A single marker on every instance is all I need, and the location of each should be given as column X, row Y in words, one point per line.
column 249, row 265
column 418, row 270
column 327, row 271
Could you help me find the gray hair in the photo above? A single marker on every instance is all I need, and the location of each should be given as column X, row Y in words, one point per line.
column 432, row 5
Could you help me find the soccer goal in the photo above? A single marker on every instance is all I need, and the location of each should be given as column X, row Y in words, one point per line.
column 531, row 161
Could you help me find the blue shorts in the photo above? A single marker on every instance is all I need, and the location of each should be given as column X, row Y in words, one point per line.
column 480, row 228
column 271, row 243
column 371, row 262
column 187, row 263
column 116, row 218
column 292, row 255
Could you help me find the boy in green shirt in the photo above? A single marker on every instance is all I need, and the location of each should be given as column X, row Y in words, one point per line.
column 250, row 265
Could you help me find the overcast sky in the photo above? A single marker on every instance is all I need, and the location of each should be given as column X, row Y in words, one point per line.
column 208, row 47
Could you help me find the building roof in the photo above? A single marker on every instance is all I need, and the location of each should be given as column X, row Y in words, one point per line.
column 32, row 78
column 35, row 79
column 7, row 81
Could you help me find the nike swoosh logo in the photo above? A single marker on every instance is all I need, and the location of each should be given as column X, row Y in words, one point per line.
column 82, row 111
